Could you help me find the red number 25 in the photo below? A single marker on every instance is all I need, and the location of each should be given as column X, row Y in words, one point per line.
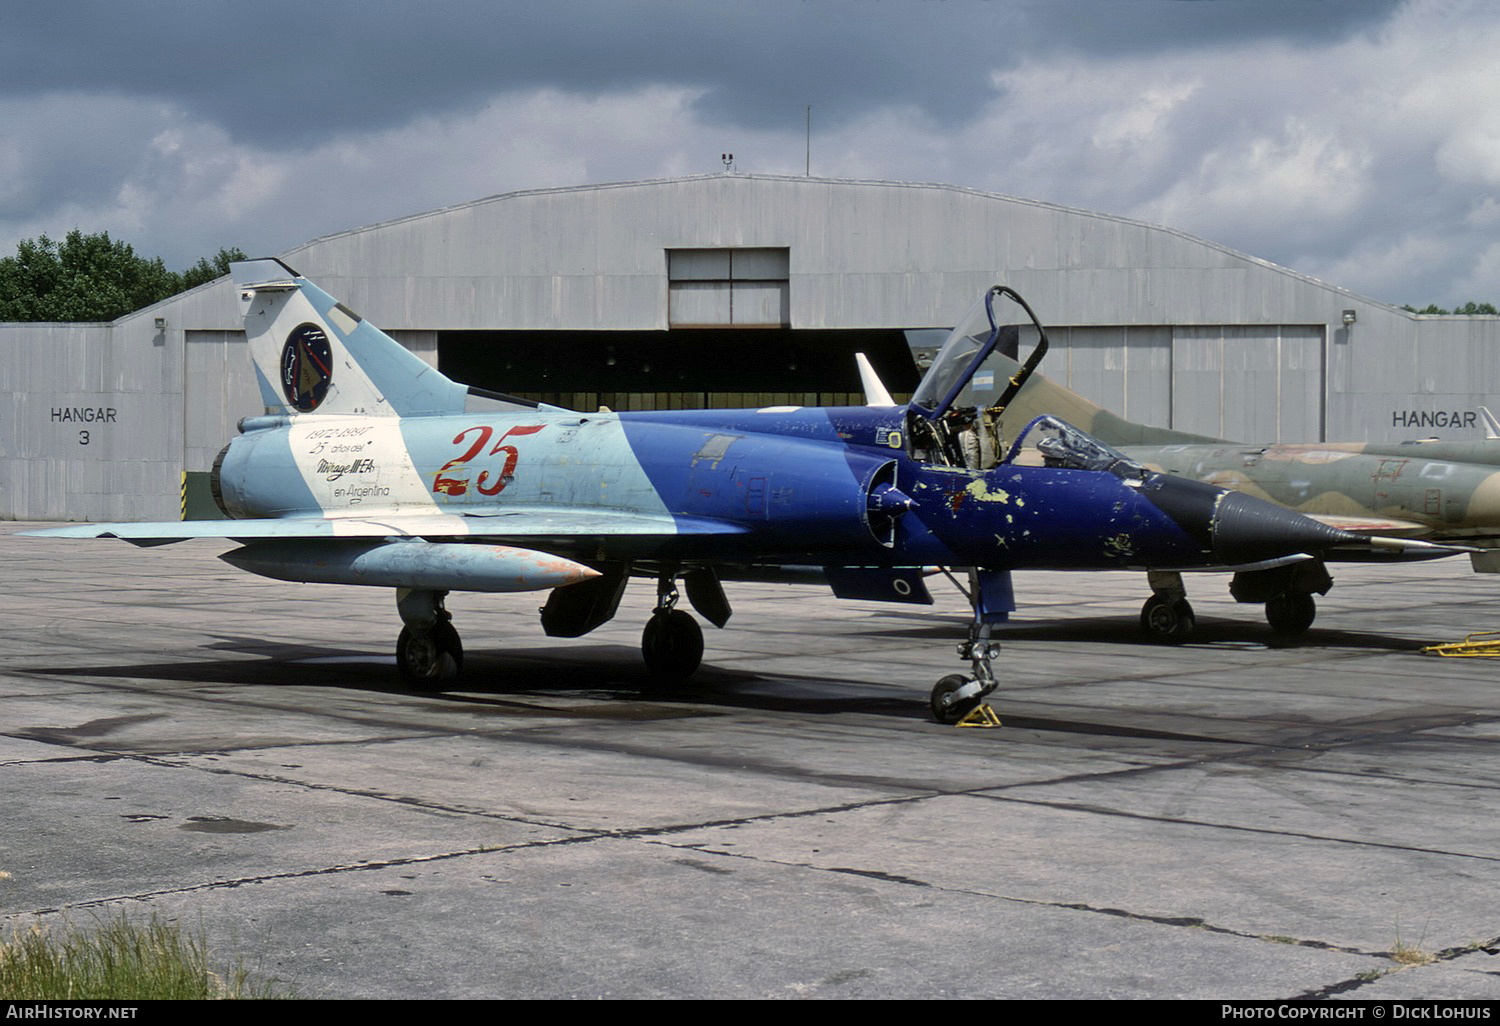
column 459, row 485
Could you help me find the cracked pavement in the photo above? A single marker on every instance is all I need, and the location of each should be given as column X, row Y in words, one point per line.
column 1232, row 818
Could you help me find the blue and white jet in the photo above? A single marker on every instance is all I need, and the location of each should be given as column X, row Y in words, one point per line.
column 370, row 467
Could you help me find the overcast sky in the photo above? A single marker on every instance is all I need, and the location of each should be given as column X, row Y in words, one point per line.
column 1358, row 142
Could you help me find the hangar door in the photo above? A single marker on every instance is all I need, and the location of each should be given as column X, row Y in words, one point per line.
column 1128, row 371
column 1249, row 383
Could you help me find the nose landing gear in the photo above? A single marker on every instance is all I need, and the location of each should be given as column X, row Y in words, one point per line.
column 955, row 698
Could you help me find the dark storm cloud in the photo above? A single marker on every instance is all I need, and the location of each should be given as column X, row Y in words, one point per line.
column 1121, row 27
column 285, row 72
column 1353, row 139
column 61, row 161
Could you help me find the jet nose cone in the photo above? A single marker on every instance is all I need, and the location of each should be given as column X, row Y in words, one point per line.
column 1249, row 530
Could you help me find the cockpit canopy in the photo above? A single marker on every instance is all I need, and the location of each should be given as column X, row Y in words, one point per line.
column 954, row 415
column 1050, row 442
column 962, row 374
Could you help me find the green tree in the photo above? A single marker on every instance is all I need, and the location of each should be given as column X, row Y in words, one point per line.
column 91, row 278
column 206, row 270
column 1470, row 309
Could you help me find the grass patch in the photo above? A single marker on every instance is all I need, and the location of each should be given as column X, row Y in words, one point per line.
column 117, row 960
column 1409, row 954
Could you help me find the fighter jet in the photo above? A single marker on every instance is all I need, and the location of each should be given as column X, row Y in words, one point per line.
column 370, row 467
column 1446, row 493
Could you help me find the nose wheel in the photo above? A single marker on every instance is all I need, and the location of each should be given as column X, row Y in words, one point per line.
column 956, row 696
column 953, row 698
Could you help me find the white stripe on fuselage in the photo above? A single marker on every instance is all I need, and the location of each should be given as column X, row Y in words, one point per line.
column 356, row 465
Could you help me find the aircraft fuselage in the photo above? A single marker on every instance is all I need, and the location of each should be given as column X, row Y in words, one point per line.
column 1453, row 500
column 798, row 484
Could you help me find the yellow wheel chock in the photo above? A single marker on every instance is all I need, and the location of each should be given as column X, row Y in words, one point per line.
column 979, row 716
column 1472, row 647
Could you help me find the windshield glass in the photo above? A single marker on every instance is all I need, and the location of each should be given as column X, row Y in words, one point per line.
column 953, row 359
column 961, row 374
column 1049, row 442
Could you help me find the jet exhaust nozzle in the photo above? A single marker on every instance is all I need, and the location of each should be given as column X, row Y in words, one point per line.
column 437, row 566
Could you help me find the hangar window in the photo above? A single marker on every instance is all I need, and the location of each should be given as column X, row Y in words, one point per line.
column 721, row 288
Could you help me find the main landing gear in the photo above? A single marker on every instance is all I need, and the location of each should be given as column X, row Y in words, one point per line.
column 672, row 644
column 1287, row 592
column 428, row 652
column 956, row 696
column 1167, row 616
column 1291, row 613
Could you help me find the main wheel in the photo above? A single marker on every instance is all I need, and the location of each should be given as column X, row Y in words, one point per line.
column 1170, row 621
column 672, row 646
column 945, row 707
column 430, row 659
column 1291, row 614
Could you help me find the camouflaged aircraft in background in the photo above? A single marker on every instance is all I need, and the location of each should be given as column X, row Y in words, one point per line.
column 1440, row 491
column 369, row 467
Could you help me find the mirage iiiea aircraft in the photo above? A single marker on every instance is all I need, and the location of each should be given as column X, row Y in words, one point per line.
column 370, row 467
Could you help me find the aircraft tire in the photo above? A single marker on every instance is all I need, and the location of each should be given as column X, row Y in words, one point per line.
column 430, row 660
column 1291, row 613
column 945, row 711
column 672, row 646
column 1169, row 621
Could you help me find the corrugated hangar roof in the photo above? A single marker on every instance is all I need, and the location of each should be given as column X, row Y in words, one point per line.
column 862, row 254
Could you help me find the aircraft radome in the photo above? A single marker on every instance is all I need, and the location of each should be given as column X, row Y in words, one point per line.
column 369, row 467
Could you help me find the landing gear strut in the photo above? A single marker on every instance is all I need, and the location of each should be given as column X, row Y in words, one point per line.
column 428, row 652
column 672, row 644
column 956, row 696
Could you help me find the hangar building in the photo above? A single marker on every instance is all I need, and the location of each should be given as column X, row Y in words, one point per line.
column 740, row 290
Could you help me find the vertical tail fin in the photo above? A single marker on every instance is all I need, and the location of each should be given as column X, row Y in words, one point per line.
column 1491, row 425
column 875, row 390
column 314, row 355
